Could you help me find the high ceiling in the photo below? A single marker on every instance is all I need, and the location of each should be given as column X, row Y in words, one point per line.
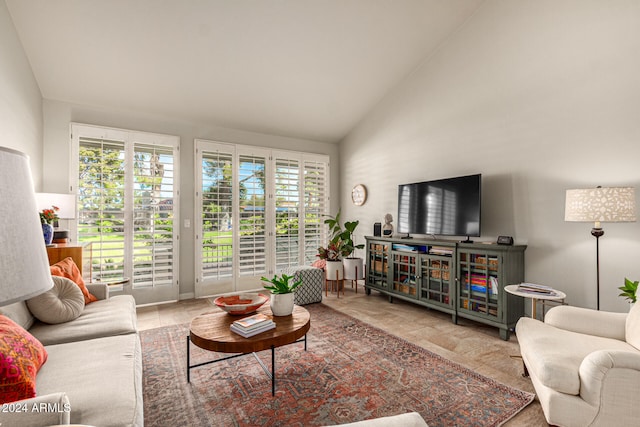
column 300, row 68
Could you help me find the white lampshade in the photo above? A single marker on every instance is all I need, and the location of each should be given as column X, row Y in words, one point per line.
column 24, row 265
column 611, row 204
column 65, row 202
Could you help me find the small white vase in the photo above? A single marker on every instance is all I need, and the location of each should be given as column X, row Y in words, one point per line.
column 282, row 304
column 353, row 268
column 333, row 270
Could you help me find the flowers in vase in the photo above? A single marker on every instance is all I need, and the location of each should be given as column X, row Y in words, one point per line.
column 48, row 216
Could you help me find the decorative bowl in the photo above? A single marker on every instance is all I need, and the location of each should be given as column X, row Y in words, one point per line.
column 240, row 304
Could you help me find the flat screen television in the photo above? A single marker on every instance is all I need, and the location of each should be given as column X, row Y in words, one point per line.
column 444, row 207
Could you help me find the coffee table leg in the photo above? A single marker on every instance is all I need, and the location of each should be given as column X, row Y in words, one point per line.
column 273, row 371
column 188, row 363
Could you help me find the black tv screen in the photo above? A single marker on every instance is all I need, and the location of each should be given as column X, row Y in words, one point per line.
column 445, row 207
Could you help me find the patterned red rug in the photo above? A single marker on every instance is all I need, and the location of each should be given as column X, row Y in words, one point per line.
column 351, row 371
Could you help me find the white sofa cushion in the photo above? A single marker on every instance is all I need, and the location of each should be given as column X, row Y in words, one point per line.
column 410, row 419
column 19, row 313
column 62, row 303
column 102, row 379
column 555, row 355
column 103, row 318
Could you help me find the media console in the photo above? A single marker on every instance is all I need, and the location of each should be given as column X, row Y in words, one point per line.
column 463, row 279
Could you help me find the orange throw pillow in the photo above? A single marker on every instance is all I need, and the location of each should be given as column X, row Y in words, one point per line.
column 67, row 268
column 21, row 356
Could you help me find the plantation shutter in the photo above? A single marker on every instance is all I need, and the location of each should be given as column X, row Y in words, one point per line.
column 316, row 204
column 101, row 205
column 252, row 215
column 153, row 215
column 287, row 205
column 216, row 204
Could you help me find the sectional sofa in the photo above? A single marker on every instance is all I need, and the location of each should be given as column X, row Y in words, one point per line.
column 93, row 370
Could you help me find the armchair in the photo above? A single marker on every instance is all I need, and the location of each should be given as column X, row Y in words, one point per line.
column 584, row 365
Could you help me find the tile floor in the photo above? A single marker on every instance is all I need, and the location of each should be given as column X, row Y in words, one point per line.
column 471, row 344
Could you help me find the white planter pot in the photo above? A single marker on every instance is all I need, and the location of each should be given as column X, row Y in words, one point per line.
column 353, row 268
column 333, row 270
column 282, row 304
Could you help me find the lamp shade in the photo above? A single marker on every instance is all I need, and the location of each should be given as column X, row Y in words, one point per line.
column 24, row 265
column 66, row 203
column 609, row 204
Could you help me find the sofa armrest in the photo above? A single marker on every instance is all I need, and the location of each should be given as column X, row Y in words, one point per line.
column 586, row 321
column 609, row 380
column 45, row 410
column 99, row 290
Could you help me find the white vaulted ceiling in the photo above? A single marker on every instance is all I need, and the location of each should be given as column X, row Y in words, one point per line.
column 301, row 68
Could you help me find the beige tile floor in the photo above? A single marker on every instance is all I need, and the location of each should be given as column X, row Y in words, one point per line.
column 471, row 344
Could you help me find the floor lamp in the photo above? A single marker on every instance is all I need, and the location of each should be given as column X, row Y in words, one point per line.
column 23, row 258
column 597, row 205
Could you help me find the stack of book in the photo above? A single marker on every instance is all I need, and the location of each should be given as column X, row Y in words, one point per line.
column 441, row 250
column 532, row 288
column 252, row 325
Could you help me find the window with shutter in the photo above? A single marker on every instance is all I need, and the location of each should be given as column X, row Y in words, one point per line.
column 258, row 201
column 127, row 191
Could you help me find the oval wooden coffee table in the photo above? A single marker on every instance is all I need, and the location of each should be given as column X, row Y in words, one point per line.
column 211, row 331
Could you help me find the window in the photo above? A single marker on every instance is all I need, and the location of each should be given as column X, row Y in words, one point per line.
column 261, row 211
column 127, row 191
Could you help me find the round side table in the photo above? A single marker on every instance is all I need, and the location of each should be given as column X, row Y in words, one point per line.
column 558, row 296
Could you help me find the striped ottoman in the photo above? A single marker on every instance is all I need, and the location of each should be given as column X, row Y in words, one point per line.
column 310, row 290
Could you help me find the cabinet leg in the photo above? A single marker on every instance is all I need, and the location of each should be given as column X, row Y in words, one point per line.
column 367, row 290
column 454, row 318
column 390, row 299
column 504, row 334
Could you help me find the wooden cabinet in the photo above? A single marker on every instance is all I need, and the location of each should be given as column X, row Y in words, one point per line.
column 463, row 279
column 81, row 255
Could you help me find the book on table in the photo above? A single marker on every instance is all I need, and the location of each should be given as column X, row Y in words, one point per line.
column 252, row 325
column 533, row 288
column 255, row 331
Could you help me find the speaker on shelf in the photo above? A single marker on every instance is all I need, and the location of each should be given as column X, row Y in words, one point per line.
column 377, row 229
column 505, row 240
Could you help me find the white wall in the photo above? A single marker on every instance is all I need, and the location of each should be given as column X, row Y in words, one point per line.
column 58, row 115
column 539, row 97
column 20, row 98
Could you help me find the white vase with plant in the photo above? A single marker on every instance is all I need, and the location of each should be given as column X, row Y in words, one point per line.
column 282, row 295
column 629, row 290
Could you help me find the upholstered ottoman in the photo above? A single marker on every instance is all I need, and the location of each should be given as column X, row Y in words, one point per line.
column 310, row 290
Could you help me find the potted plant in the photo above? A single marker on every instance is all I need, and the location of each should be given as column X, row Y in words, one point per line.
column 341, row 246
column 281, row 293
column 353, row 266
column 629, row 290
column 336, row 249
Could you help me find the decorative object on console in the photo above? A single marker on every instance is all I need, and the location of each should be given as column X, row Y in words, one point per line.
column 505, row 240
column 23, row 257
column 597, row 205
column 66, row 209
column 387, row 228
column 377, row 229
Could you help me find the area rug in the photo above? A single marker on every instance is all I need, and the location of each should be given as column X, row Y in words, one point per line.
column 351, row 371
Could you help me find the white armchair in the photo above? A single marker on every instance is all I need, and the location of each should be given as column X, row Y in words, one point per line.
column 584, row 365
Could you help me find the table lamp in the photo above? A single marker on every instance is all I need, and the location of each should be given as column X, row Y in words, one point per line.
column 597, row 205
column 23, row 258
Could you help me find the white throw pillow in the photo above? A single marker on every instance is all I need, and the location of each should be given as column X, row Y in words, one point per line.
column 62, row 303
